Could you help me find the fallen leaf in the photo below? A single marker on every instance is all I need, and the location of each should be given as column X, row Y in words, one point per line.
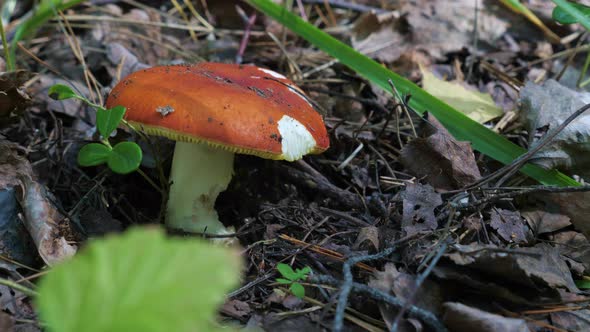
column 540, row 268
column 434, row 27
column 428, row 297
column 545, row 107
column 580, row 321
column 419, row 202
column 42, row 221
column 438, row 157
column 367, row 239
column 509, row 225
column 545, row 221
column 477, row 105
column 459, row 317
column 13, row 98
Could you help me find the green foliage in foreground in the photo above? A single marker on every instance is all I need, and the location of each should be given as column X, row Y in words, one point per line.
column 292, row 278
column 124, row 157
column 570, row 12
column 139, row 281
column 463, row 128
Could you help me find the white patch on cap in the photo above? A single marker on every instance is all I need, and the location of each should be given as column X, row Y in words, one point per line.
column 296, row 141
column 299, row 93
column 272, row 73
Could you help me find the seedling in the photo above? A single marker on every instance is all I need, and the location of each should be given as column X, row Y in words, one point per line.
column 292, row 278
column 124, row 157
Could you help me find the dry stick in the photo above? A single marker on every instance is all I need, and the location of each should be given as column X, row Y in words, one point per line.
column 527, row 191
column 570, row 59
column 347, row 284
column 417, row 285
column 249, row 21
column 427, row 317
column 348, row 5
column 517, row 163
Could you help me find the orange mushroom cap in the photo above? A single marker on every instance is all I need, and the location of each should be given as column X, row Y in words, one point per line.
column 244, row 109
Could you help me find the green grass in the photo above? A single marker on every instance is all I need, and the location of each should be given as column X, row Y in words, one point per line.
column 463, row 128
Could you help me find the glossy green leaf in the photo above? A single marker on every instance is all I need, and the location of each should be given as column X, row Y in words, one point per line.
column 108, row 120
column 139, row 281
column 297, row 289
column 562, row 16
column 286, row 271
column 125, row 158
column 61, row 92
column 93, row 154
column 483, row 139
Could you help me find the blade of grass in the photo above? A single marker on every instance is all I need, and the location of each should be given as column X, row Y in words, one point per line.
column 517, row 7
column 573, row 11
column 43, row 12
column 462, row 127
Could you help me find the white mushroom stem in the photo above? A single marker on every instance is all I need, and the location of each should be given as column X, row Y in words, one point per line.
column 199, row 173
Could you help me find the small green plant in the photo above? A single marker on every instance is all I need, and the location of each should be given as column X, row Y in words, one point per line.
column 140, row 280
column 292, row 278
column 124, row 157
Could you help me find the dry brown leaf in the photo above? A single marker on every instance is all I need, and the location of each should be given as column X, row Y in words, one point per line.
column 434, row 27
column 544, row 221
column 438, row 157
column 461, row 318
column 419, row 202
column 13, row 98
column 509, row 225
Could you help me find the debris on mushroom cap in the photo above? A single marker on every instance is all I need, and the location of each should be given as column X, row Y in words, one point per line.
column 240, row 108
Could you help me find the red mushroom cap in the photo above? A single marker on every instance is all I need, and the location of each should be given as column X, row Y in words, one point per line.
column 244, row 109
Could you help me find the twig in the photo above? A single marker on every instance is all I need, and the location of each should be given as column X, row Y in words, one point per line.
column 25, row 290
column 427, row 317
column 347, row 284
column 421, row 278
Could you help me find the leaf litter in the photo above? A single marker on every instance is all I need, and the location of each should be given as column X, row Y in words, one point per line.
column 485, row 258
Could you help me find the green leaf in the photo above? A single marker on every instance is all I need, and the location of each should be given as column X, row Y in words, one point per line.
column 125, row 158
column 297, row 289
column 583, row 284
column 108, row 120
column 459, row 125
column 562, row 16
column 139, row 281
column 286, row 271
column 93, row 154
column 61, row 92
column 284, row 281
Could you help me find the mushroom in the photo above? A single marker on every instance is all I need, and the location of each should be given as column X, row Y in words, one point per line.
column 212, row 111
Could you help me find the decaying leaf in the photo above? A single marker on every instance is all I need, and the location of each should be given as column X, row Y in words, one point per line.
column 438, row 157
column 509, row 225
column 41, row 219
column 462, row 318
column 427, row 26
column 428, row 297
column 477, row 105
column 540, row 267
column 419, row 202
column 368, row 239
column 545, row 107
column 574, row 205
column 13, row 98
column 542, row 221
